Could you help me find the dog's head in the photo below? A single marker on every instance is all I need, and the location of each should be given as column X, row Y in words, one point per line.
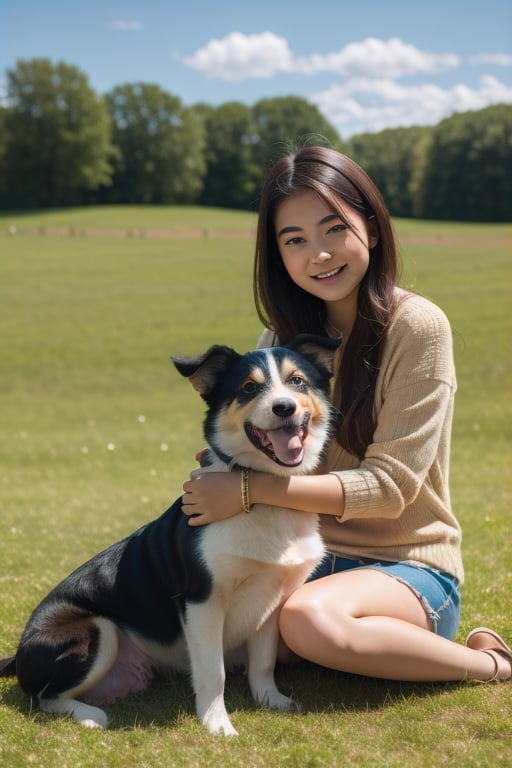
column 268, row 409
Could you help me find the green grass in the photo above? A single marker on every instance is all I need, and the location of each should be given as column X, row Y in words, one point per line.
column 98, row 432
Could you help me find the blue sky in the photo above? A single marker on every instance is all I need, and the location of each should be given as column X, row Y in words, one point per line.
column 366, row 64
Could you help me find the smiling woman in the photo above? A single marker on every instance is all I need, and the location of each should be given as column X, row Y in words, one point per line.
column 385, row 602
column 326, row 255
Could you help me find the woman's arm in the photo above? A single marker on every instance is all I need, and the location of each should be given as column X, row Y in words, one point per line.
column 213, row 496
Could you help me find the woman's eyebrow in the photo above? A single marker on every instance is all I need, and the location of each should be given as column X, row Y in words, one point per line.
column 285, row 230
column 292, row 228
column 328, row 218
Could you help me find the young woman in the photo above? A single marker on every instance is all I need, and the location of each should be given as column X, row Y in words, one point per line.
column 385, row 602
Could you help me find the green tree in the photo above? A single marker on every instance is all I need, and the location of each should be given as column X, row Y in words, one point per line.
column 232, row 177
column 419, row 168
column 390, row 158
column 57, row 136
column 3, row 158
column 160, row 143
column 467, row 174
column 284, row 121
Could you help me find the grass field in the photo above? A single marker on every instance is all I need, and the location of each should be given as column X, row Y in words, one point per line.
column 98, row 432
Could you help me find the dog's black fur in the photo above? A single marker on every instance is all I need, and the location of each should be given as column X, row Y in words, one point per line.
column 174, row 596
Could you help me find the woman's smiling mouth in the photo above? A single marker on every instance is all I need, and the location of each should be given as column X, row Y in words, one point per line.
column 331, row 273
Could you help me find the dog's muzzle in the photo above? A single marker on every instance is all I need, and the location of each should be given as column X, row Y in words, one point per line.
column 284, row 444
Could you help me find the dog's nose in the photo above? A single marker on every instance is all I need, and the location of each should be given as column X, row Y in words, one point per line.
column 284, row 407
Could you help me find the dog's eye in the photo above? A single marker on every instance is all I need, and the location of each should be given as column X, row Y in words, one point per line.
column 249, row 387
column 297, row 381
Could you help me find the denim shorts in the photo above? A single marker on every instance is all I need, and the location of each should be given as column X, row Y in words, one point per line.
column 438, row 592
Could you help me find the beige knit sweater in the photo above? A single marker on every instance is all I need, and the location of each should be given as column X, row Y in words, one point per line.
column 397, row 500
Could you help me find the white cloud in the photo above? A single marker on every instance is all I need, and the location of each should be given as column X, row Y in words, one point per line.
column 239, row 57
column 377, row 58
column 361, row 105
column 500, row 59
column 123, row 25
column 370, row 94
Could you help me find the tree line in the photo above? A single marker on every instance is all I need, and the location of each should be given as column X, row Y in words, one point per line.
column 63, row 144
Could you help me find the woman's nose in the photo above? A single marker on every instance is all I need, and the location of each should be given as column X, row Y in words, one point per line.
column 321, row 255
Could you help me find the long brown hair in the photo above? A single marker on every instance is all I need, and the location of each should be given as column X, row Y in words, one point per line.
column 289, row 310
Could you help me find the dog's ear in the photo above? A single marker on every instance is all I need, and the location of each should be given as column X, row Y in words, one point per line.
column 319, row 349
column 203, row 372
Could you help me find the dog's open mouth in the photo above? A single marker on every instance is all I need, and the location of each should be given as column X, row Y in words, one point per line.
column 284, row 445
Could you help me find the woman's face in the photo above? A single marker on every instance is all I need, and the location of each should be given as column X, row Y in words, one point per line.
column 324, row 255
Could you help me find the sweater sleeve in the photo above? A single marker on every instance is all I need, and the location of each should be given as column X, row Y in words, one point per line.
column 414, row 400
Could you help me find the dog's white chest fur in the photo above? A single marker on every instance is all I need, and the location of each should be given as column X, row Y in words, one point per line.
column 267, row 535
column 256, row 561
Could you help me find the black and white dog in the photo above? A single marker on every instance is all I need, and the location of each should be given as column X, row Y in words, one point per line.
column 175, row 597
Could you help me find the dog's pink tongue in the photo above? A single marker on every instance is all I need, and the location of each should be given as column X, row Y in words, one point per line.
column 287, row 444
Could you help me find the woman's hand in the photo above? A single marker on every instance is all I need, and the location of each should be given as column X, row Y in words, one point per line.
column 211, row 496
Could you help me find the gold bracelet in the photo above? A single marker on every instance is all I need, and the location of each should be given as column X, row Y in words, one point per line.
column 244, row 487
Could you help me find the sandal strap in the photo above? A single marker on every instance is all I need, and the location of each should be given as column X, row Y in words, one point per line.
column 500, row 672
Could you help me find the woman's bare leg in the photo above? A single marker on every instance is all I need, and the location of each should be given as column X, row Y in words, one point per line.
column 369, row 623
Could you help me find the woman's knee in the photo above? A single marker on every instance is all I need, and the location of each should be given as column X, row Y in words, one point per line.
column 294, row 619
column 303, row 621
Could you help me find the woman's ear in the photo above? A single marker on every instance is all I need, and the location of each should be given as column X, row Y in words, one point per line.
column 373, row 232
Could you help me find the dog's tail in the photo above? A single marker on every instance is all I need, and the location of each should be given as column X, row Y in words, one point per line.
column 8, row 667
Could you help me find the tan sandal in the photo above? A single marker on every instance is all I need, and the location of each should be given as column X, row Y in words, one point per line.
column 488, row 641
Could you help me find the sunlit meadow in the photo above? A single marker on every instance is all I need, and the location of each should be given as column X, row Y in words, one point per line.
column 98, row 432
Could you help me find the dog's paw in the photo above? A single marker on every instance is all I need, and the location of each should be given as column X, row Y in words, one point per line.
column 90, row 717
column 225, row 730
column 87, row 715
column 273, row 699
column 88, row 723
column 220, row 727
column 215, row 718
column 282, row 703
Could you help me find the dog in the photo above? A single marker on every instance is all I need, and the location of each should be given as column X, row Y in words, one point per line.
column 174, row 597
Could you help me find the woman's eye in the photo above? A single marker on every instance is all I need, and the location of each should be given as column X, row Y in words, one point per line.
column 338, row 228
column 294, row 241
